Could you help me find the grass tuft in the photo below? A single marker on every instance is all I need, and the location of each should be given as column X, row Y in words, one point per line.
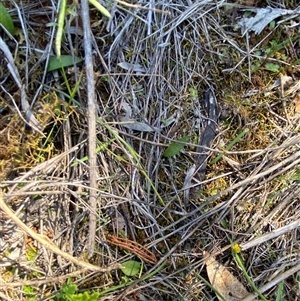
column 153, row 63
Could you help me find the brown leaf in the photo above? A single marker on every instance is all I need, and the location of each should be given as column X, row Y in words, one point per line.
column 297, row 104
column 224, row 281
column 284, row 81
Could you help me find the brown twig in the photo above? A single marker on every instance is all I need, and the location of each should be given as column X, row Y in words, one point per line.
column 133, row 247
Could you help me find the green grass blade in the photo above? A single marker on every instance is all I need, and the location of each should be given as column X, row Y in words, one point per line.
column 279, row 295
column 248, row 278
column 101, row 8
column 135, row 156
column 60, row 26
column 102, row 145
column 210, row 286
column 230, row 145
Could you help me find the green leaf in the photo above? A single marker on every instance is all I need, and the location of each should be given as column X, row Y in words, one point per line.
column 272, row 67
column 63, row 61
column 175, row 147
column 272, row 25
column 6, row 20
column 69, row 288
column 131, row 267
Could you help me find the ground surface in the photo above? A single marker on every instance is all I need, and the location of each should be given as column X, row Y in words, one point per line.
column 164, row 72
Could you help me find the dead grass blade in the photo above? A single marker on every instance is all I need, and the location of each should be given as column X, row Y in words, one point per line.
column 39, row 282
column 152, row 62
column 275, row 281
column 30, row 118
column 263, row 238
column 44, row 241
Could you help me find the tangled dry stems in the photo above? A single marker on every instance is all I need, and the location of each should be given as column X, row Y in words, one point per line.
column 149, row 64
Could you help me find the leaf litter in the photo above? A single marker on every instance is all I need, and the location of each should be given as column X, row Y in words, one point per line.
column 263, row 17
column 224, row 281
column 187, row 49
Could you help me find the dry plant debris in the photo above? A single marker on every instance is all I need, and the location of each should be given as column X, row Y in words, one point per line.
column 224, row 281
column 153, row 62
column 44, row 240
column 133, row 247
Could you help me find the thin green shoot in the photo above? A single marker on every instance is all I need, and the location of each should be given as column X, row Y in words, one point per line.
column 230, row 145
column 279, row 295
column 210, row 286
column 102, row 145
column 248, row 278
column 60, row 26
column 135, row 156
column 61, row 21
column 101, row 8
column 235, row 251
column 73, row 91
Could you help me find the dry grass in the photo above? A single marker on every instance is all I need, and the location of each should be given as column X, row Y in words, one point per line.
column 153, row 62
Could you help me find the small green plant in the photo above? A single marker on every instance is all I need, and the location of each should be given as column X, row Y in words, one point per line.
column 68, row 292
column 31, row 252
column 273, row 50
column 30, row 293
column 193, row 93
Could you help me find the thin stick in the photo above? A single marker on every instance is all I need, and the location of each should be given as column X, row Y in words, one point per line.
column 91, row 96
column 271, row 235
column 43, row 240
column 46, row 280
column 275, row 281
